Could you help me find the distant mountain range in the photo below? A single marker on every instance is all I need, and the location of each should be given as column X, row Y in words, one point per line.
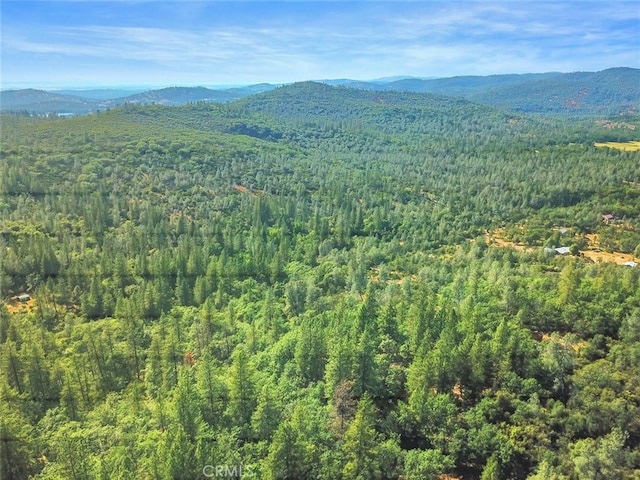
column 612, row 91
column 101, row 93
column 609, row 92
column 40, row 102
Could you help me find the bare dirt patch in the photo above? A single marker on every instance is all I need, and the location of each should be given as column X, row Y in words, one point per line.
column 613, row 257
column 497, row 241
column 594, row 253
column 245, row 190
column 16, row 306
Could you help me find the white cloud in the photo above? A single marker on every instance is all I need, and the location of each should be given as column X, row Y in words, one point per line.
column 344, row 40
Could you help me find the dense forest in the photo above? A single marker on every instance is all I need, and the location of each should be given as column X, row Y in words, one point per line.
column 318, row 282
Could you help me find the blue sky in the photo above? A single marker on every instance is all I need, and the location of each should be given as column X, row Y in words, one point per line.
column 50, row 44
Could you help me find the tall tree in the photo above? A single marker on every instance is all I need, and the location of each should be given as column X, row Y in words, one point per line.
column 242, row 390
column 361, row 442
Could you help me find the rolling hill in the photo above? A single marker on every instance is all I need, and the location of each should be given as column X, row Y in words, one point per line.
column 40, row 102
column 182, row 95
column 609, row 92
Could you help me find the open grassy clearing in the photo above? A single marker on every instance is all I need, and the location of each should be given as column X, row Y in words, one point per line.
column 16, row 306
column 495, row 239
column 624, row 146
column 593, row 252
column 613, row 257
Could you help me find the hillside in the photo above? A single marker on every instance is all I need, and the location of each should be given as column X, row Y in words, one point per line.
column 319, row 283
column 40, row 102
column 404, row 112
column 101, row 93
column 609, row 92
column 182, row 95
column 466, row 86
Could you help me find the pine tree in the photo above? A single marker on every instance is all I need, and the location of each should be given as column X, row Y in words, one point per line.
column 187, row 404
column 268, row 413
column 361, row 442
column 339, row 364
column 242, row 391
column 93, row 300
column 212, row 390
column 17, row 452
column 310, row 351
column 365, row 366
column 286, row 458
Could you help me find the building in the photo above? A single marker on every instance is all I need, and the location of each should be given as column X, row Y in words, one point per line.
column 607, row 218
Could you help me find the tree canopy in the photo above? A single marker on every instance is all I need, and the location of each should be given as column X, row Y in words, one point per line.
column 319, row 282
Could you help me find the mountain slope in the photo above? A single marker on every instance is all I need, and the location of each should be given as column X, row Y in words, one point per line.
column 612, row 91
column 42, row 102
column 101, row 93
column 465, row 85
column 179, row 96
column 318, row 101
column 609, row 92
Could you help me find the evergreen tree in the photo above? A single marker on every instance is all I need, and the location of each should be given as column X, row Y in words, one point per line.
column 286, row 458
column 242, row 391
column 361, row 443
column 187, row 404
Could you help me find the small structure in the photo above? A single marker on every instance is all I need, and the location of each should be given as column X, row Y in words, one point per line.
column 631, row 264
column 562, row 250
column 24, row 297
column 607, row 218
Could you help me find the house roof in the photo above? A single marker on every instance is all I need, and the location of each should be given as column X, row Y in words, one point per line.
column 562, row 250
column 630, row 264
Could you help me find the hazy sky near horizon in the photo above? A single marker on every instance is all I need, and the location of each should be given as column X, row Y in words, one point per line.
column 97, row 43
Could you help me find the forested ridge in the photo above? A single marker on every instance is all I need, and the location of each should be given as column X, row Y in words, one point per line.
column 302, row 284
column 609, row 92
